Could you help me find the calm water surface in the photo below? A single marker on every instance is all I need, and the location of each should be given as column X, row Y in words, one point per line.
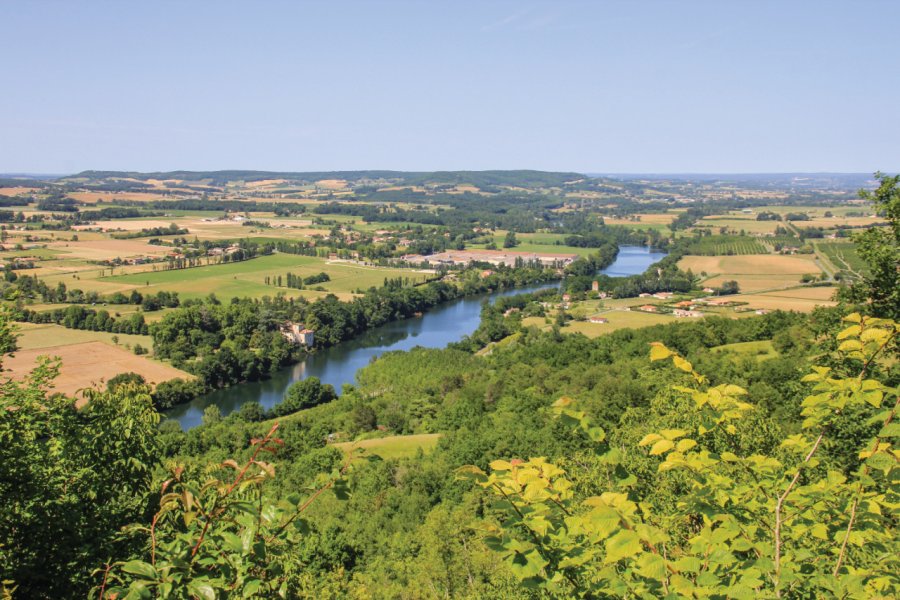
column 338, row 365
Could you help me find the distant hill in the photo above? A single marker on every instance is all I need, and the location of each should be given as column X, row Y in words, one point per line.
column 525, row 178
column 835, row 181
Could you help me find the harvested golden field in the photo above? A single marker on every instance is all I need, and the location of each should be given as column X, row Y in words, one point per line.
column 16, row 237
column 747, row 224
column 105, row 249
column 648, row 218
column 818, row 211
column 332, row 184
column 162, row 183
column 281, row 228
column 35, row 336
column 15, row 191
column 88, row 364
column 753, row 272
column 130, row 225
column 832, row 222
column 93, row 197
column 265, row 183
column 803, row 299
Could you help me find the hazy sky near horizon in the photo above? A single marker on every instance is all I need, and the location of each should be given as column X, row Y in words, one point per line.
column 605, row 86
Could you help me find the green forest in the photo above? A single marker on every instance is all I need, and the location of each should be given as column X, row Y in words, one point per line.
column 663, row 462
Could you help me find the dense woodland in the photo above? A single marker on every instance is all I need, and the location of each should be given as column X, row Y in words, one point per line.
column 241, row 340
column 660, row 462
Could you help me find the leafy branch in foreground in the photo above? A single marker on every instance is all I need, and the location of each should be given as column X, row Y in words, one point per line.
column 746, row 526
column 221, row 538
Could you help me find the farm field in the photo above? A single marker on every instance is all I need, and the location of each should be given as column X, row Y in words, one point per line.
column 752, row 272
column 749, row 224
column 43, row 236
column 115, row 310
column 15, row 191
column 802, row 299
column 202, row 227
column 819, row 211
column 397, row 446
column 618, row 319
column 660, row 227
column 722, row 245
column 87, row 364
column 643, row 219
column 843, row 257
column 834, row 222
column 536, row 248
column 247, row 278
column 105, row 249
column 536, row 242
column 761, row 350
column 35, row 336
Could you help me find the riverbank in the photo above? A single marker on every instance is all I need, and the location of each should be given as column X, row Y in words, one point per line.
column 337, row 365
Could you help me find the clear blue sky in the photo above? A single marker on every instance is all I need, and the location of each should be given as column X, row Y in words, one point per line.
column 603, row 86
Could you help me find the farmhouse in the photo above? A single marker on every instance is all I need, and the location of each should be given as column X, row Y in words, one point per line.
column 650, row 308
column 297, row 334
column 663, row 295
column 719, row 301
column 687, row 313
column 598, row 320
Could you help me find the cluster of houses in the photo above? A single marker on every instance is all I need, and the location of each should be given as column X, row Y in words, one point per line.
column 228, row 218
column 682, row 309
column 231, row 249
column 131, row 260
column 139, row 260
column 383, row 235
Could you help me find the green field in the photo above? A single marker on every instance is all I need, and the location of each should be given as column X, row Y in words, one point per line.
column 735, row 223
column 247, row 278
column 762, row 350
column 396, row 446
column 718, row 245
column 536, row 242
column 844, row 257
column 618, row 319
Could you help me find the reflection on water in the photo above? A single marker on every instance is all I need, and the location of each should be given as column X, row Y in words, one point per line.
column 338, row 365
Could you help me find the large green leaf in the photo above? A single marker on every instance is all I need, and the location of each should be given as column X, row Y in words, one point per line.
column 624, row 544
column 141, row 569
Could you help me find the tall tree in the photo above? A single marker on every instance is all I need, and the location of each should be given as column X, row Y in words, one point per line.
column 70, row 478
column 880, row 248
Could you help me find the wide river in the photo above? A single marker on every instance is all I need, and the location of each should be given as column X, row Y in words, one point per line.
column 338, row 365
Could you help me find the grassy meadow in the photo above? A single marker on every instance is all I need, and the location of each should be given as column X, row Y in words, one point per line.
column 393, row 447
column 247, row 278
